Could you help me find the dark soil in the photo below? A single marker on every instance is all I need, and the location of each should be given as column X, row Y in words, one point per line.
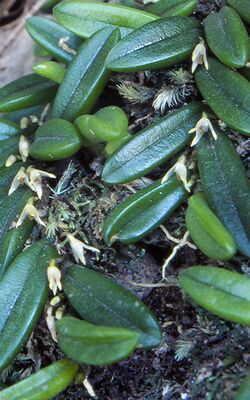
column 201, row 356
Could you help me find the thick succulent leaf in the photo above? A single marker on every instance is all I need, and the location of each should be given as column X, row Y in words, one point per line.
column 86, row 76
column 101, row 301
column 222, row 292
column 94, row 345
column 233, row 48
column 242, row 7
column 50, row 70
column 28, row 91
column 170, row 8
column 23, row 292
column 97, row 15
column 12, row 244
column 139, row 214
column 56, row 139
column 227, row 93
column 226, row 186
column 152, row 146
column 48, row 33
column 8, row 129
column 44, row 384
column 206, row 230
column 244, row 391
column 157, row 44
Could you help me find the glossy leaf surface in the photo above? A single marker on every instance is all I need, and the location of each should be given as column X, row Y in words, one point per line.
column 56, row 139
column 44, row 384
column 50, row 70
column 23, row 292
column 226, row 187
column 206, row 230
column 86, row 76
column 28, row 91
column 48, row 33
column 97, row 15
column 94, row 345
column 158, row 44
column 152, row 146
column 101, row 301
column 8, row 129
column 144, row 211
column 233, row 47
column 222, row 292
column 12, row 244
column 242, row 7
column 170, row 8
column 227, row 93
column 108, row 124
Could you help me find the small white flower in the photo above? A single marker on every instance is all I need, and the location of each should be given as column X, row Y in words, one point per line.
column 19, row 179
column 35, row 180
column 23, row 148
column 31, row 212
column 180, row 169
column 54, row 277
column 50, row 319
column 203, row 126
column 78, row 248
column 199, row 56
column 10, row 161
column 59, row 313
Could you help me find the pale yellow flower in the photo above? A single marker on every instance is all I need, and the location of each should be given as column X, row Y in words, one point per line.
column 23, row 148
column 50, row 319
column 31, row 212
column 18, row 180
column 35, row 179
column 203, row 126
column 54, row 277
column 78, row 248
column 181, row 171
column 199, row 56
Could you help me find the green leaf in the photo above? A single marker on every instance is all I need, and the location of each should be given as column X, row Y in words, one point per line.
column 170, row 8
column 50, row 70
column 86, row 76
column 101, row 301
column 16, row 116
column 97, row 15
column 56, row 139
column 44, row 384
column 233, row 48
column 94, row 345
column 242, row 7
column 206, row 230
column 28, row 91
column 8, row 129
column 226, row 186
column 152, row 146
column 244, row 391
column 12, row 244
column 157, row 44
column 227, row 93
column 223, row 293
column 139, row 214
column 23, row 292
column 109, row 124
column 48, row 33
